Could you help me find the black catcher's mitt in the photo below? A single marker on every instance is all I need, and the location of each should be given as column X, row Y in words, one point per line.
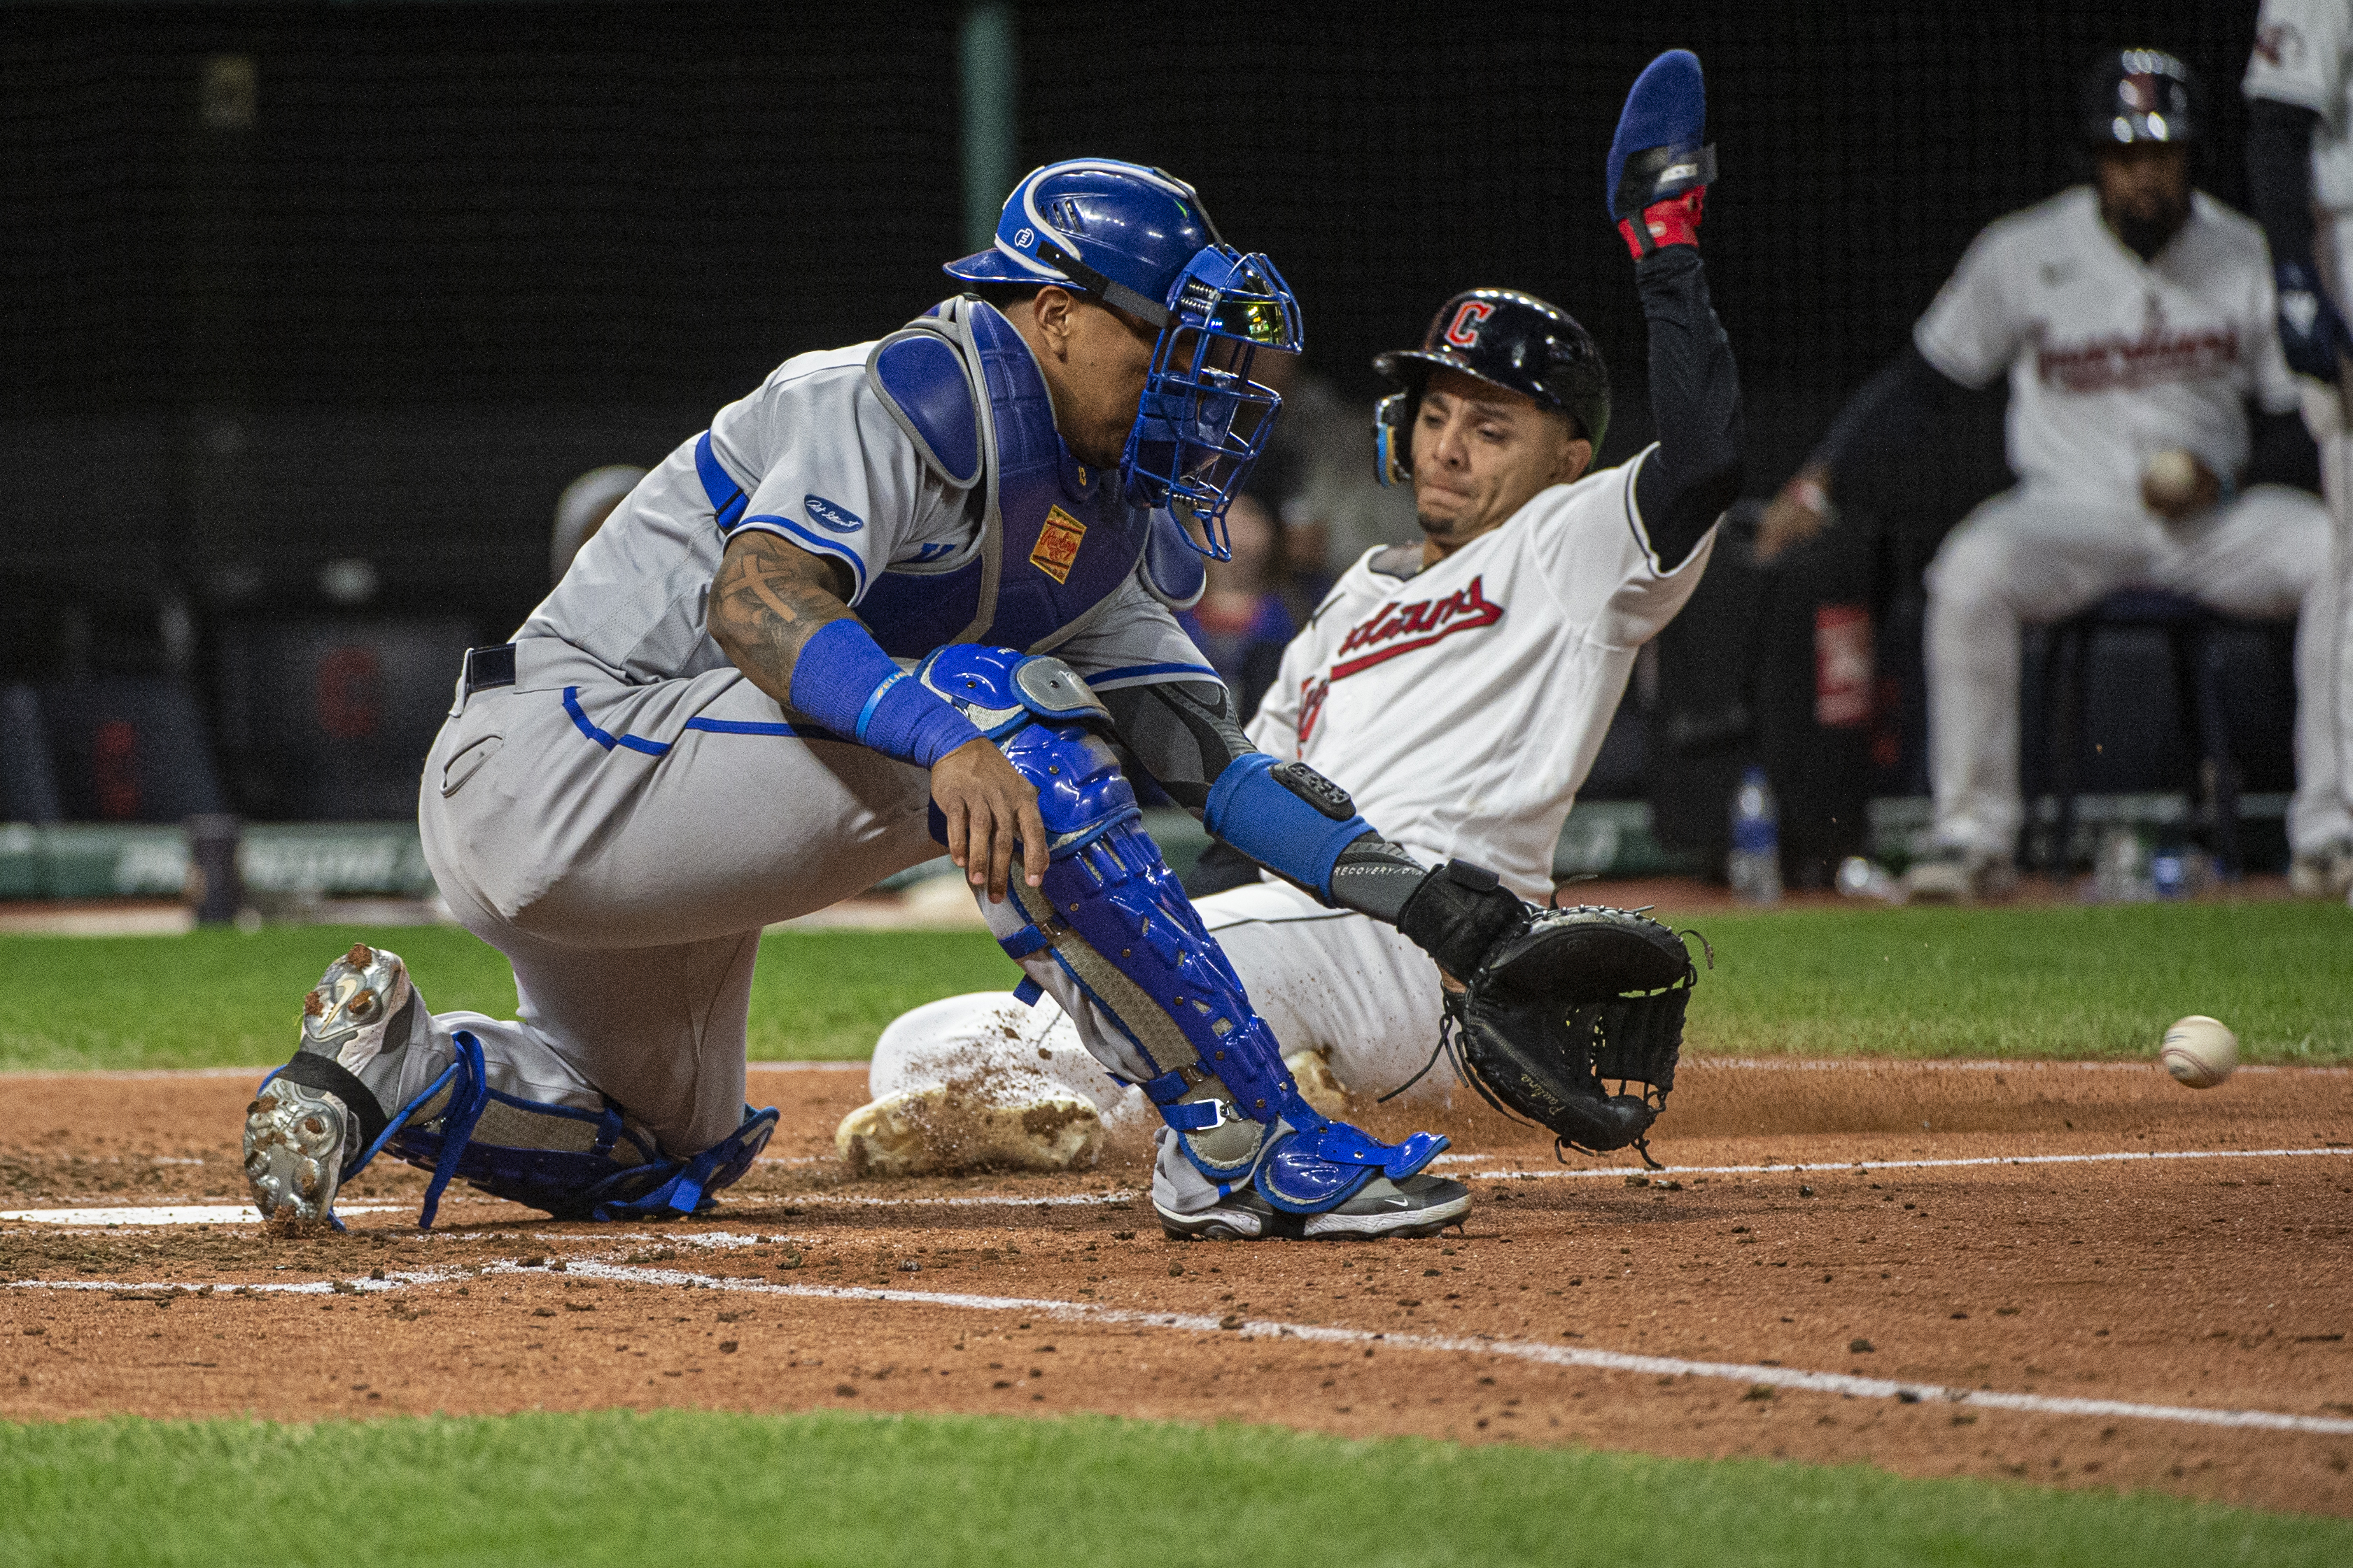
column 1563, row 1002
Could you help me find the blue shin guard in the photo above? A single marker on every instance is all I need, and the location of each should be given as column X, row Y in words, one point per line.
column 575, row 1164
column 1120, row 929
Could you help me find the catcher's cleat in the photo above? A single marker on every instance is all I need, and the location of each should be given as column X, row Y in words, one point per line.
column 294, row 1154
column 298, row 1132
column 928, row 1131
column 348, row 1016
column 1416, row 1206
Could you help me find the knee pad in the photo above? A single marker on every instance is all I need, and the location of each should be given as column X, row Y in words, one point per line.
column 573, row 1164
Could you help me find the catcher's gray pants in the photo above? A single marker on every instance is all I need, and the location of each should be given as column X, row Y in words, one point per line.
column 2030, row 555
column 623, row 845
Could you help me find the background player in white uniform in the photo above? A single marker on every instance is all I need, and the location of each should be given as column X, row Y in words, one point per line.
column 1459, row 689
column 2134, row 318
column 2299, row 85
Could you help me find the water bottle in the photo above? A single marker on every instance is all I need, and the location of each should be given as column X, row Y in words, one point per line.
column 1753, row 867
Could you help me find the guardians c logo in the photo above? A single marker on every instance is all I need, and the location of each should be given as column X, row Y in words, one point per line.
column 1463, row 331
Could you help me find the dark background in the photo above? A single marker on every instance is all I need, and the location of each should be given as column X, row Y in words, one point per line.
column 458, row 254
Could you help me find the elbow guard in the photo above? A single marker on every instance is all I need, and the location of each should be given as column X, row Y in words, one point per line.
column 1284, row 816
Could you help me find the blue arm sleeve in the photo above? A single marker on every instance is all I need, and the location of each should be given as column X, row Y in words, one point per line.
column 845, row 681
column 1252, row 809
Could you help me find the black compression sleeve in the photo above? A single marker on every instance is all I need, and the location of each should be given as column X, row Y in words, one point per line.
column 1695, row 401
column 1899, row 403
column 2279, row 176
column 1180, row 733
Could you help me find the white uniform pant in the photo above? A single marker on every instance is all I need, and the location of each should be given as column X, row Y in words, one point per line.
column 2035, row 555
column 2329, row 416
column 1325, row 980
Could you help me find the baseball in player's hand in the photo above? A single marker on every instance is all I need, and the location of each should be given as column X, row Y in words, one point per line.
column 991, row 810
column 1801, row 510
column 2175, row 484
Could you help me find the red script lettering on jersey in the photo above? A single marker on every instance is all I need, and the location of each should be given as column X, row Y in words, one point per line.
column 2156, row 356
column 1419, row 624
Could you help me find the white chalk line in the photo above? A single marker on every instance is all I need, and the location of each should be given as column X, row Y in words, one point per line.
column 245, row 1214
column 1753, row 1374
column 133, row 1075
column 1898, row 1064
column 162, row 1214
column 1859, row 1165
column 1696, row 1063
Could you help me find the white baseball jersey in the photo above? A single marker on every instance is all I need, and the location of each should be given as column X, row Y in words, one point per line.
column 2303, row 55
column 2112, row 358
column 1462, row 703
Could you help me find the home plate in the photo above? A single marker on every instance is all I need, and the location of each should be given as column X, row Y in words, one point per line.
column 170, row 1214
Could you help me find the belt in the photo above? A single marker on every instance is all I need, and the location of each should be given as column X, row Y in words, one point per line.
column 489, row 666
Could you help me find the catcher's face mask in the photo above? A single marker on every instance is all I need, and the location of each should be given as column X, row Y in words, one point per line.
column 1203, row 421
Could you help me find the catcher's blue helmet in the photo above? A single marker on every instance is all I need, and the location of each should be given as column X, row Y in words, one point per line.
column 1138, row 240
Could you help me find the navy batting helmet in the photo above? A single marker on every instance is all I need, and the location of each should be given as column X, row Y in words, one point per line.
column 1505, row 339
column 2139, row 95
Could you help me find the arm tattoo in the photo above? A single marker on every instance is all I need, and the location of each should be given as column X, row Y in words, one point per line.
column 770, row 597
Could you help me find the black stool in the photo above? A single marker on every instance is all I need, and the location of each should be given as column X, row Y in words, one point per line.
column 2190, row 628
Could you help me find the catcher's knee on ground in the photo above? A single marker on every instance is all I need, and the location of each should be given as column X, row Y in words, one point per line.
column 318, row 1122
column 1115, row 940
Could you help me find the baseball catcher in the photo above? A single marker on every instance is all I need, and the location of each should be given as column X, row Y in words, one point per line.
column 1459, row 688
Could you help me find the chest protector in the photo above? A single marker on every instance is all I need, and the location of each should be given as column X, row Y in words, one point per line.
column 1058, row 538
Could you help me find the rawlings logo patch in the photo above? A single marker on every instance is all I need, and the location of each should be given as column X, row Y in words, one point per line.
column 1394, row 630
column 827, row 514
column 1058, row 538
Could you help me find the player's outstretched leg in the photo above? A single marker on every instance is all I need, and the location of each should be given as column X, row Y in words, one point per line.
column 1112, row 936
column 986, row 1081
column 375, row 1073
column 973, row 1082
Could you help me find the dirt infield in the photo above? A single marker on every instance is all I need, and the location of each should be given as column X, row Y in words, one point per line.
column 2007, row 1271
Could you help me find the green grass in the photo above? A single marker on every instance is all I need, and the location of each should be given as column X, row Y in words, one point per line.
column 227, row 998
column 2063, row 983
column 2067, row 982
column 706, row 1489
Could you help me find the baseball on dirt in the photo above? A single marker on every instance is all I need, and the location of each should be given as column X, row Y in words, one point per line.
column 2198, row 1051
column 2170, row 478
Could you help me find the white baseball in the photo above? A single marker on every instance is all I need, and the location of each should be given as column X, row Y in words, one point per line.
column 2198, row 1051
column 2171, row 476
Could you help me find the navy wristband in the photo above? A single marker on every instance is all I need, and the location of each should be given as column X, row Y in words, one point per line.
column 845, row 683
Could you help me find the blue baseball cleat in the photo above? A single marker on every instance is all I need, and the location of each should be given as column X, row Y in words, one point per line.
column 1658, row 155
